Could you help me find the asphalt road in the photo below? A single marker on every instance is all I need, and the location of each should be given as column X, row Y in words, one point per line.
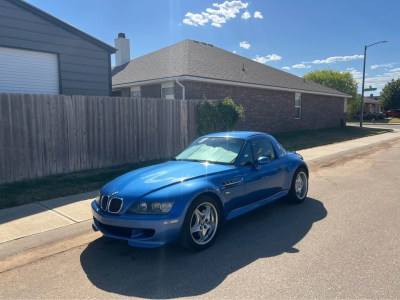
column 342, row 242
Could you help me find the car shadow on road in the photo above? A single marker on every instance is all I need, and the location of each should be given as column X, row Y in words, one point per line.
column 172, row 272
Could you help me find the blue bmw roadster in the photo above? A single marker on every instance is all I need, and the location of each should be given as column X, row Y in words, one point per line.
column 217, row 178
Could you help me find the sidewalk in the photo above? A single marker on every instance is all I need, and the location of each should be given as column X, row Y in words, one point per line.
column 316, row 154
column 32, row 225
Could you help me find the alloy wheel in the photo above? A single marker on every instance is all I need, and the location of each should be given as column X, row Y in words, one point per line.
column 301, row 185
column 204, row 223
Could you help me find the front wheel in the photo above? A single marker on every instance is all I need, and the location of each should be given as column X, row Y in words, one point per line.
column 201, row 224
column 299, row 188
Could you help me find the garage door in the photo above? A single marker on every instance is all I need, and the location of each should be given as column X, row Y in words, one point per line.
column 28, row 72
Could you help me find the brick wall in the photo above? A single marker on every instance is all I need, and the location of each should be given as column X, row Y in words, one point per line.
column 125, row 92
column 271, row 111
column 150, row 91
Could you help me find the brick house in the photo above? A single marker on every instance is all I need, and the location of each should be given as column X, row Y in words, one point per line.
column 274, row 100
column 372, row 105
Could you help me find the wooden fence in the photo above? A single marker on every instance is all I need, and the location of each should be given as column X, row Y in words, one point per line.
column 42, row 135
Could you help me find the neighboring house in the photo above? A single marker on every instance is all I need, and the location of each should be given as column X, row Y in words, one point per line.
column 274, row 100
column 374, row 97
column 40, row 54
column 371, row 105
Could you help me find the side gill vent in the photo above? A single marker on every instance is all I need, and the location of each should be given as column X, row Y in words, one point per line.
column 230, row 182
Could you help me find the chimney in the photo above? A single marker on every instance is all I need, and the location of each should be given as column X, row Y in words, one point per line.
column 123, row 54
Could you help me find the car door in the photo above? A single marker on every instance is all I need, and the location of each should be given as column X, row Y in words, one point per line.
column 261, row 181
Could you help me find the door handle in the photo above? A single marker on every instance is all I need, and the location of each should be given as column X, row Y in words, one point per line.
column 279, row 168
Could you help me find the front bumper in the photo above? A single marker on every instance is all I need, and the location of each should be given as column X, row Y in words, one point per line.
column 141, row 230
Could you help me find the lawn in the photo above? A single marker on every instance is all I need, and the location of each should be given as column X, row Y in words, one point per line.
column 19, row 193
column 298, row 140
column 24, row 192
column 385, row 121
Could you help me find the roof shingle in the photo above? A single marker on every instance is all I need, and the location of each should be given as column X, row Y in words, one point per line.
column 192, row 58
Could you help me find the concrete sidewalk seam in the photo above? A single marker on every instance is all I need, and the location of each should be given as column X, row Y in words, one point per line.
column 57, row 212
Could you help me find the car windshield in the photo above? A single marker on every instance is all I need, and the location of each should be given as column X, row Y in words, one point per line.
column 222, row 150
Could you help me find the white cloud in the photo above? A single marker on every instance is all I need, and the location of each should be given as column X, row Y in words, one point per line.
column 227, row 9
column 286, row 68
column 384, row 65
column 333, row 59
column 246, row 15
column 217, row 15
column 188, row 22
column 215, row 19
column 244, row 45
column 234, row 51
column 301, row 66
column 356, row 74
column 195, row 19
column 378, row 81
column 258, row 15
column 264, row 59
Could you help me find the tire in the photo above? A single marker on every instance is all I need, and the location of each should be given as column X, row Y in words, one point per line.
column 195, row 234
column 294, row 195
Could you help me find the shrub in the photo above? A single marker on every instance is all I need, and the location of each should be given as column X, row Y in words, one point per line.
column 213, row 117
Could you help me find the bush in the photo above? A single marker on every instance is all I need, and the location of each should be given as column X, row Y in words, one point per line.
column 213, row 117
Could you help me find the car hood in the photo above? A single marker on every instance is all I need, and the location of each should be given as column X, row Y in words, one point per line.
column 146, row 180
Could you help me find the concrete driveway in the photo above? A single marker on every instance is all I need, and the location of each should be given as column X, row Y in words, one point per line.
column 342, row 242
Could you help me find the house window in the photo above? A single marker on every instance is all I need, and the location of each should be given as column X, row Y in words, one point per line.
column 297, row 106
column 167, row 90
column 345, row 104
column 135, row 91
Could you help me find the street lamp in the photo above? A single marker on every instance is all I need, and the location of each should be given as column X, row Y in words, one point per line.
column 362, row 90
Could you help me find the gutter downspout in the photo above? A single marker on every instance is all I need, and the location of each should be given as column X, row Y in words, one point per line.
column 183, row 89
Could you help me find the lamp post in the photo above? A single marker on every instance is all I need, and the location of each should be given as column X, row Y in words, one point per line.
column 362, row 90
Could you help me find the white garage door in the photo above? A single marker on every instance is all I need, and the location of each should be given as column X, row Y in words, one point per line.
column 28, row 72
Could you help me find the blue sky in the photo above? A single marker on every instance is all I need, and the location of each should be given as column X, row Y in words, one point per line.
column 300, row 35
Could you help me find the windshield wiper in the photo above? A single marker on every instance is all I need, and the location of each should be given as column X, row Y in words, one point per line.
column 194, row 160
column 204, row 161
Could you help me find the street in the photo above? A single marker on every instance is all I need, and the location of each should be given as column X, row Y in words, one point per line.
column 342, row 242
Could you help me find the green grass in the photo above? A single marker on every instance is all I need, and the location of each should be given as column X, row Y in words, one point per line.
column 24, row 192
column 383, row 121
column 298, row 140
column 18, row 193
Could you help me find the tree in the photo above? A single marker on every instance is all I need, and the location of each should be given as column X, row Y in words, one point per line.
column 218, row 116
column 390, row 95
column 341, row 81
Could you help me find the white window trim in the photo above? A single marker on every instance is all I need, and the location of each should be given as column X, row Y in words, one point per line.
column 167, row 84
column 295, row 95
column 135, row 88
column 164, row 85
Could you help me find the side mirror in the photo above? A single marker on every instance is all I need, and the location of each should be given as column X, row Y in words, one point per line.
column 263, row 160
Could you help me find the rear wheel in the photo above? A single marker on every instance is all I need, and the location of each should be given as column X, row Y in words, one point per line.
column 201, row 223
column 299, row 188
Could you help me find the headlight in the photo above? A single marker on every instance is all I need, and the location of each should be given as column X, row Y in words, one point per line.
column 150, row 208
column 97, row 199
